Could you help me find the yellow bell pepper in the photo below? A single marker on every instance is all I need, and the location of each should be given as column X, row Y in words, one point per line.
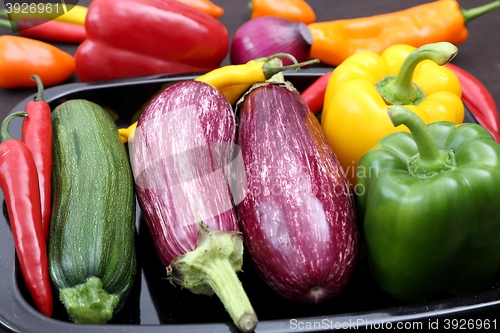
column 362, row 87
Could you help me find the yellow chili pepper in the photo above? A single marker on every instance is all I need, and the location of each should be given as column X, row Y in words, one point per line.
column 361, row 89
column 233, row 93
column 49, row 11
column 234, row 80
column 249, row 73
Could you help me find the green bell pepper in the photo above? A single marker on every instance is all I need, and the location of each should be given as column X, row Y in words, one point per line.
column 429, row 201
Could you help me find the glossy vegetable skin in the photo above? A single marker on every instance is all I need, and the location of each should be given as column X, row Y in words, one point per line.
column 52, row 31
column 19, row 183
column 429, row 208
column 294, row 10
column 21, row 57
column 110, row 51
column 268, row 35
column 180, row 153
column 436, row 21
column 212, row 121
column 314, row 95
column 92, row 253
column 37, row 136
column 233, row 80
column 475, row 96
column 479, row 100
column 298, row 216
column 360, row 90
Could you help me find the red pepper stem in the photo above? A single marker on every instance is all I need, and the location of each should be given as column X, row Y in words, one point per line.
column 429, row 161
column 401, row 90
column 39, row 84
column 470, row 14
column 4, row 130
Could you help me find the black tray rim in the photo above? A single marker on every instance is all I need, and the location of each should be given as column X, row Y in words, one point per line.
column 17, row 315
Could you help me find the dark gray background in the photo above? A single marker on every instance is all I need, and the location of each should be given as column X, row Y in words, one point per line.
column 479, row 55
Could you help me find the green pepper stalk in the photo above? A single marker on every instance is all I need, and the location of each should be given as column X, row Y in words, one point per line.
column 429, row 211
column 400, row 89
column 429, row 161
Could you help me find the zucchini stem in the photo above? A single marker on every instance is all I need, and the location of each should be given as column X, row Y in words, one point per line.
column 88, row 303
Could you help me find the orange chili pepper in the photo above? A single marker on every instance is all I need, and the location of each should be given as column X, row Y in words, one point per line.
column 294, row 10
column 206, row 6
column 438, row 21
column 22, row 57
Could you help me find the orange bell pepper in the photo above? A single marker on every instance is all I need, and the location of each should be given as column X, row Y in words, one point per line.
column 206, row 6
column 438, row 21
column 22, row 57
column 294, row 10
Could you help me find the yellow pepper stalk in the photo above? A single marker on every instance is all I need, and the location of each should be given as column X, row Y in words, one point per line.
column 362, row 87
column 50, row 11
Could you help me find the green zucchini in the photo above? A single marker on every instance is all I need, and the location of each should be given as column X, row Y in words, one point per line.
column 92, row 255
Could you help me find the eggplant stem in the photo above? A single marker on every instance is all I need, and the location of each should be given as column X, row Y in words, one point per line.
column 211, row 268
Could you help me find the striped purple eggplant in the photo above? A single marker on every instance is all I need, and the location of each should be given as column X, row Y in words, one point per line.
column 298, row 217
column 181, row 156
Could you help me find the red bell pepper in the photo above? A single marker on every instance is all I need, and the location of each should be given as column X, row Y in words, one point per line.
column 130, row 38
column 19, row 183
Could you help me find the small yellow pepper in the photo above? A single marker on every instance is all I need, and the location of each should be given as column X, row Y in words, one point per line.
column 234, row 80
column 249, row 73
column 361, row 89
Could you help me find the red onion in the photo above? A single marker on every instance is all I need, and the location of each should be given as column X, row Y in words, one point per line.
column 268, row 35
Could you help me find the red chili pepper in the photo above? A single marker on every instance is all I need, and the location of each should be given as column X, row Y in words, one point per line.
column 47, row 30
column 37, row 135
column 478, row 100
column 314, row 95
column 19, row 183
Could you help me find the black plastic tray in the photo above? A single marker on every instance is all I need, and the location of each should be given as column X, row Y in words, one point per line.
column 155, row 305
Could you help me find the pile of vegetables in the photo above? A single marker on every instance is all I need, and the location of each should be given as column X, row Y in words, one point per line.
column 238, row 160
